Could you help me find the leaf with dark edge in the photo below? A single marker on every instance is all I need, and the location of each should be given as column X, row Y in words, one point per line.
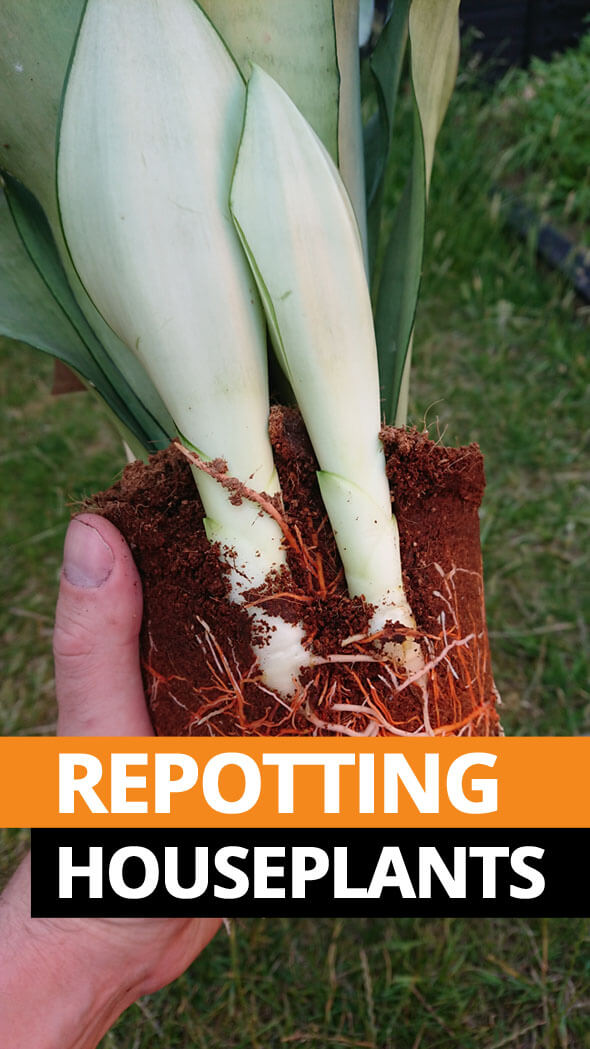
column 295, row 43
column 35, row 47
column 311, row 49
column 434, row 56
column 33, row 289
column 385, row 65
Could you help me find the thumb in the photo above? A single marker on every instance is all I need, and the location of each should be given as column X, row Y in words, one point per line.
column 95, row 641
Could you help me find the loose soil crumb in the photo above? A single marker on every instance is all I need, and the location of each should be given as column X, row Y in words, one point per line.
column 200, row 673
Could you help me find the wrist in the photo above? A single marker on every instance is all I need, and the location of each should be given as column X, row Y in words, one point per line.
column 54, row 989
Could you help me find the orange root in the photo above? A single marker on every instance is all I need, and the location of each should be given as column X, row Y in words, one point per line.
column 351, row 692
column 355, row 690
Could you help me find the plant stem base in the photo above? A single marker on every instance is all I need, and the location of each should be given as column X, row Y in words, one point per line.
column 200, row 673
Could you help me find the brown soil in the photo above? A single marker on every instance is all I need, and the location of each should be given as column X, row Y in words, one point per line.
column 200, row 674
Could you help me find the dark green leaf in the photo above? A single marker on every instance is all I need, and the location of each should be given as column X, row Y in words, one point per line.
column 434, row 52
column 386, row 65
column 38, row 307
column 35, row 46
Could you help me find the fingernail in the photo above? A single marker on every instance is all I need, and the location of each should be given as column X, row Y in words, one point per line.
column 88, row 560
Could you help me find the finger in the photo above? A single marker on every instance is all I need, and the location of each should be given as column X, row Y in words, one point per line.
column 96, row 647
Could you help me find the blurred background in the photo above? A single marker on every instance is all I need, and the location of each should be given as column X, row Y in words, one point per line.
column 511, row 32
column 501, row 358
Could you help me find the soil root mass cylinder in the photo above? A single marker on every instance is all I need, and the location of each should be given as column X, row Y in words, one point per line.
column 201, row 675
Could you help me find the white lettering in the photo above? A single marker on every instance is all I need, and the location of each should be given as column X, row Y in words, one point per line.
column 232, row 873
column 252, row 783
column 70, row 784
column 488, row 787
column 453, row 883
column 397, row 767
column 342, row 890
column 524, row 870
column 166, row 785
column 331, row 763
column 199, row 885
column 399, row 878
column 302, row 873
column 151, row 872
column 121, row 782
column 92, row 870
column 263, row 870
column 488, row 855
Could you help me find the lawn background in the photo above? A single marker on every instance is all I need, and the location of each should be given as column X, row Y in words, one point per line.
column 501, row 357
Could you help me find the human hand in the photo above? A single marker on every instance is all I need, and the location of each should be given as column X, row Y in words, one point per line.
column 63, row 983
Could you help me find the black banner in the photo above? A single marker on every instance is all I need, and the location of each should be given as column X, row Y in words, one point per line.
column 266, row 873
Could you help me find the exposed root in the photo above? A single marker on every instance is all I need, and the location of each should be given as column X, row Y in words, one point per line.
column 354, row 685
column 199, row 649
column 218, row 471
column 350, row 692
column 267, row 598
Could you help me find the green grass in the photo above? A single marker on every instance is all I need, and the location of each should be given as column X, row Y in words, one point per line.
column 388, row 984
column 540, row 125
column 501, row 357
column 54, row 452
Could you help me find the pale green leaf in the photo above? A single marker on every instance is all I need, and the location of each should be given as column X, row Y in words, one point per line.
column 367, row 538
column 311, row 49
column 434, row 42
column 298, row 226
column 296, row 44
column 365, row 21
column 151, row 121
column 145, row 397
column 35, row 50
column 299, row 230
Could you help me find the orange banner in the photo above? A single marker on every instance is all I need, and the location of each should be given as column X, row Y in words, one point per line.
column 299, row 782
